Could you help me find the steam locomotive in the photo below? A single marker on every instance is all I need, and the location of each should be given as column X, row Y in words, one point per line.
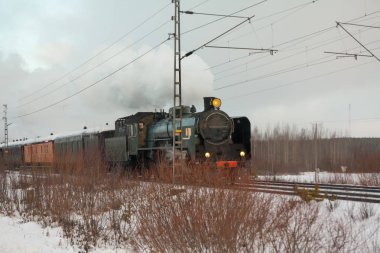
column 210, row 135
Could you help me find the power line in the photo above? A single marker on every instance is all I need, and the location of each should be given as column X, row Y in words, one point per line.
column 300, row 81
column 200, row 4
column 339, row 24
column 229, row 61
column 280, row 72
column 245, row 48
column 281, row 59
column 296, row 8
column 283, row 49
column 93, row 68
column 306, row 37
column 94, row 83
column 347, row 54
column 210, row 14
column 217, row 37
column 97, row 54
column 216, row 20
column 368, row 26
column 328, row 28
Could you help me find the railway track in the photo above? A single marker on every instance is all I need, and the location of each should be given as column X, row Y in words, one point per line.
column 369, row 194
column 356, row 193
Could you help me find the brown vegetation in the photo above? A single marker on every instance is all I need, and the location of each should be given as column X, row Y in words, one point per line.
column 95, row 208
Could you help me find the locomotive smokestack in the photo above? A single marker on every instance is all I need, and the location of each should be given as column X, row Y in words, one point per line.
column 208, row 103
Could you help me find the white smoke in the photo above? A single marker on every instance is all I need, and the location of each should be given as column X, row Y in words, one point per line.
column 148, row 83
column 145, row 85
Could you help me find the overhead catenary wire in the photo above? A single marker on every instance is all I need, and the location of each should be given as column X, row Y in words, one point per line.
column 93, row 68
column 98, row 53
column 217, row 37
column 299, row 81
column 244, row 48
column 368, row 26
column 210, row 14
column 317, row 45
column 94, row 83
column 281, row 59
column 305, row 37
column 328, row 28
column 216, row 20
column 295, row 8
column 360, row 43
column 198, row 5
column 282, row 71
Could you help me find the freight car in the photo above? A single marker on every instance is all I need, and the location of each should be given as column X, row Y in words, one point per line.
column 69, row 150
column 210, row 135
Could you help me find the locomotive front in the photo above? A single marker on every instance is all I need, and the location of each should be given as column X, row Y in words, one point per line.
column 223, row 140
column 210, row 135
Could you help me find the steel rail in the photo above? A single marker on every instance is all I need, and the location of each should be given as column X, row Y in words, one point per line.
column 340, row 192
column 327, row 186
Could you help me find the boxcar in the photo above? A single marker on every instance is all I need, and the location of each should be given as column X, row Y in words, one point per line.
column 39, row 153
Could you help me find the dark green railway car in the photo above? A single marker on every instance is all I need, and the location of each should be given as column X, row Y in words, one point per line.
column 85, row 149
column 12, row 156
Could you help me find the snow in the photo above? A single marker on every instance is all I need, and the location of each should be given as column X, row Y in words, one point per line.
column 20, row 237
column 17, row 236
column 323, row 177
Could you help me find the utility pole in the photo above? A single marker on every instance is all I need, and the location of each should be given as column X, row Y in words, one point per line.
column 316, row 169
column 316, row 146
column 349, row 120
column 177, row 99
column 5, row 118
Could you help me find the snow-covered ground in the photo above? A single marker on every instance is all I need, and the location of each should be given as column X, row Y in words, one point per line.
column 359, row 221
column 325, row 177
column 17, row 236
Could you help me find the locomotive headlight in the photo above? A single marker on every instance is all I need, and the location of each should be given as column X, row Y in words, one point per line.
column 242, row 153
column 207, row 155
column 216, row 102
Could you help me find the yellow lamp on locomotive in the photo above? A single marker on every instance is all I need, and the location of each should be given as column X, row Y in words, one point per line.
column 207, row 155
column 242, row 153
column 216, row 102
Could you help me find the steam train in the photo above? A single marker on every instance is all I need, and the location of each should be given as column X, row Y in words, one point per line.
column 208, row 136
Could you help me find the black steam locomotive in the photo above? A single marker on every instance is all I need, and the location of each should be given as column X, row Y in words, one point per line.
column 207, row 135
column 210, row 135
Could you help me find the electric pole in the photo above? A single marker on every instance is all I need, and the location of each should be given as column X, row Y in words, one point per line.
column 316, row 169
column 5, row 118
column 177, row 99
column 316, row 146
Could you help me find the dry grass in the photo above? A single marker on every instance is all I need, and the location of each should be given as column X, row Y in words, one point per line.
column 95, row 208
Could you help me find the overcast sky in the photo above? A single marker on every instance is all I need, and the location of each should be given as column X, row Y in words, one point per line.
column 43, row 43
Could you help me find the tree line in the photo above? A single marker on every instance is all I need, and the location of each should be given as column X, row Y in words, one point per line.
column 288, row 149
